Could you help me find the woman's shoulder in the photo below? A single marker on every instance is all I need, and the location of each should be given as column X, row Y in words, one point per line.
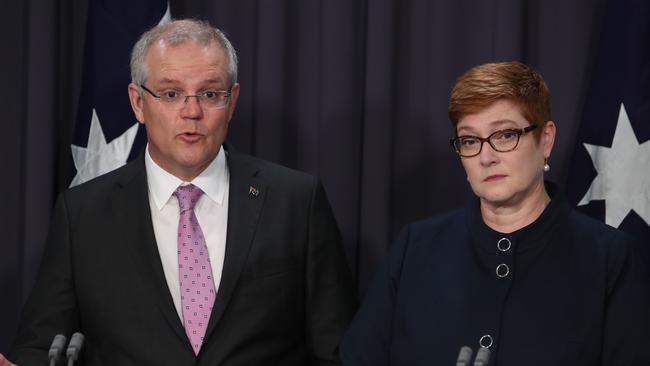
column 587, row 227
column 418, row 239
column 439, row 225
column 445, row 218
column 599, row 243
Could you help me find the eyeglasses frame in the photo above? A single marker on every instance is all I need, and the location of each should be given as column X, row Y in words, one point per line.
column 518, row 131
column 227, row 94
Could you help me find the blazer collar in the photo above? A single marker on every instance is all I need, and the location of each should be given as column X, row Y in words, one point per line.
column 131, row 207
column 529, row 237
column 248, row 190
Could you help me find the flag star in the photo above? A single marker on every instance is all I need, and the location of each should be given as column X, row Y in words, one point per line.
column 623, row 179
column 100, row 157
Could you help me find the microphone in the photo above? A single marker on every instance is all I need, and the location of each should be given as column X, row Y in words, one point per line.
column 74, row 348
column 482, row 357
column 465, row 357
column 56, row 349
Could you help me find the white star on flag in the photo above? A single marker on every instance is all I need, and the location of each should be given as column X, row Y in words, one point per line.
column 99, row 157
column 623, row 179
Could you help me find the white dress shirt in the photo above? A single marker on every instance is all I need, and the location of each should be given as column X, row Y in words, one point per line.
column 211, row 212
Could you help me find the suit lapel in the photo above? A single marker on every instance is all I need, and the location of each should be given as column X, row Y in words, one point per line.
column 131, row 207
column 245, row 200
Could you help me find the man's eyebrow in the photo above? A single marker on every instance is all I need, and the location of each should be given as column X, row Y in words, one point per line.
column 214, row 80
column 168, row 81
column 219, row 82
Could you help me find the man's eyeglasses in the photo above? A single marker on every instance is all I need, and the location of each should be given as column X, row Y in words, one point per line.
column 501, row 141
column 210, row 98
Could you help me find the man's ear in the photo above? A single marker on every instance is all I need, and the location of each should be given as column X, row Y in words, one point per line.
column 136, row 102
column 233, row 100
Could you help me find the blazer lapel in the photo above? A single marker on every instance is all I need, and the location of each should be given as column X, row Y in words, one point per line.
column 245, row 200
column 131, row 207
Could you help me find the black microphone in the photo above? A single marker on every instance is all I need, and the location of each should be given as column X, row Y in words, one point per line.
column 74, row 348
column 465, row 357
column 56, row 349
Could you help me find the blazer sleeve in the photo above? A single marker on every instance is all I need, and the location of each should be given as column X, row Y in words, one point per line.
column 51, row 308
column 368, row 340
column 626, row 337
column 330, row 295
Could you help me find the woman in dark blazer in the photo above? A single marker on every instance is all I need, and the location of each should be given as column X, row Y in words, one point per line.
column 518, row 271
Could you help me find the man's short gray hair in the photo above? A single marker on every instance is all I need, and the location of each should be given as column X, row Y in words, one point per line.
column 177, row 32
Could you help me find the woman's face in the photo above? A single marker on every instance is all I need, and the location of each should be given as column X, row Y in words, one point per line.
column 506, row 178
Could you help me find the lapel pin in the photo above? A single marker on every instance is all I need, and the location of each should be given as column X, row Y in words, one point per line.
column 252, row 191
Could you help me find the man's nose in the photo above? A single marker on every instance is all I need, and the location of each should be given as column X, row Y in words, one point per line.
column 192, row 106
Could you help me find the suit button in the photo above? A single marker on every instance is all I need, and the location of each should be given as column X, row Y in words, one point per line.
column 485, row 341
column 502, row 270
column 504, row 244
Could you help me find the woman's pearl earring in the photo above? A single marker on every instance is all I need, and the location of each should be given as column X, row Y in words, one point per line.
column 546, row 166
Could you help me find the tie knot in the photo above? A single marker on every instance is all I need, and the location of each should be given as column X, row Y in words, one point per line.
column 188, row 196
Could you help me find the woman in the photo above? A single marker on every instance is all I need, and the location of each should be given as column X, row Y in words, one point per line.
column 518, row 271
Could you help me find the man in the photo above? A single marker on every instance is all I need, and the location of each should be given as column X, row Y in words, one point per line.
column 193, row 254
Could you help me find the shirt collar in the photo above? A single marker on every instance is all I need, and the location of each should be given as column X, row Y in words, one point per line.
column 530, row 236
column 212, row 181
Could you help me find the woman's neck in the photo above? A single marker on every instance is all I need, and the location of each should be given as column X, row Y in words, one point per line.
column 507, row 218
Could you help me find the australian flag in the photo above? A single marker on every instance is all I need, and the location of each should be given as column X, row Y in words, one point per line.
column 610, row 175
column 107, row 134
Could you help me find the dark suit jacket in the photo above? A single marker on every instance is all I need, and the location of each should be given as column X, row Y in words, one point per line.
column 576, row 294
column 285, row 295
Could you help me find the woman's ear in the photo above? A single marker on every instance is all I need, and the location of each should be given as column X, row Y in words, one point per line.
column 548, row 137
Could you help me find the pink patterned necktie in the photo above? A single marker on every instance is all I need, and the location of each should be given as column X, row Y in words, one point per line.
column 194, row 270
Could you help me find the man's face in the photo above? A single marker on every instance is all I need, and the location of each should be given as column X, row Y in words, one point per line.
column 184, row 138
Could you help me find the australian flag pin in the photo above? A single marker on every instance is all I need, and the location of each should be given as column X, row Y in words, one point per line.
column 252, row 191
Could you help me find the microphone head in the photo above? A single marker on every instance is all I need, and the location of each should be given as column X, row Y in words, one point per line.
column 58, row 344
column 76, row 343
column 464, row 357
column 482, row 357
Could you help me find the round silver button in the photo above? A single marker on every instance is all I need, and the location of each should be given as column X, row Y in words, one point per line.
column 504, row 244
column 485, row 341
column 503, row 270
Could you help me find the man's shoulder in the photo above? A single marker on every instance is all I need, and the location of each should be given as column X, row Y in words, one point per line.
column 105, row 183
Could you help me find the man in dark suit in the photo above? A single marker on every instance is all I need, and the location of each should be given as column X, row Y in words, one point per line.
column 193, row 254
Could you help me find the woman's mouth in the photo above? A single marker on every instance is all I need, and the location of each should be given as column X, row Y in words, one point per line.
column 494, row 178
